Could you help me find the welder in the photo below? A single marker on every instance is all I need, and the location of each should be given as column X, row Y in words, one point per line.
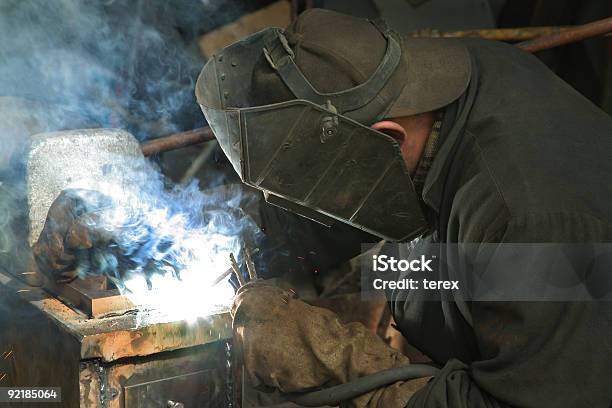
column 424, row 142
column 446, row 141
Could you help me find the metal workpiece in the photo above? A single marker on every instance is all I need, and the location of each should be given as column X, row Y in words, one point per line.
column 80, row 158
column 135, row 333
column 95, row 296
column 137, row 359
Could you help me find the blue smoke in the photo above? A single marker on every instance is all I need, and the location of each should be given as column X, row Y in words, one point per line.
column 116, row 63
column 128, row 64
column 158, row 243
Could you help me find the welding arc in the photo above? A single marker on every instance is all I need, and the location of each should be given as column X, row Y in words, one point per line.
column 332, row 396
column 567, row 36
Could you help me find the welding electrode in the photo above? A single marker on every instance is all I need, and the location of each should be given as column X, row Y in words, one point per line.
column 236, row 269
column 222, row 276
column 250, row 264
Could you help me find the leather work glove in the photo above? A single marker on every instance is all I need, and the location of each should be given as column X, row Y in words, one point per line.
column 294, row 347
column 70, row 227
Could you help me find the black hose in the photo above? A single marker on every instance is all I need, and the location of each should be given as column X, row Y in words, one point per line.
column 334, row 395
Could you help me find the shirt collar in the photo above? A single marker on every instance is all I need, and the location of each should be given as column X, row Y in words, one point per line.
column 429, row 153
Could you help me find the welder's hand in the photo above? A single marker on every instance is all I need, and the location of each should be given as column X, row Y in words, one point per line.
column 70, row 226
column 292, row 346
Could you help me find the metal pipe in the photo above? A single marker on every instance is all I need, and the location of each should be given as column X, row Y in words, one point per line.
column 578, row 33
column 497, row 34
column 556, row 36
column 177, row 140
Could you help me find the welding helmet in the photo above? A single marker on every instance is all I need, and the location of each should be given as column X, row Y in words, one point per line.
column 310, row 152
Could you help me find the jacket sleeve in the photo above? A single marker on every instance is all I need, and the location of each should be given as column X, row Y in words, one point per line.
column 534, row 354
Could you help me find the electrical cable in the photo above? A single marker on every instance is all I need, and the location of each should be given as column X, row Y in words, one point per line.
column 334, row 395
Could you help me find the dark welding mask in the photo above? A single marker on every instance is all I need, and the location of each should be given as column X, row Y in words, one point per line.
column 307, row 154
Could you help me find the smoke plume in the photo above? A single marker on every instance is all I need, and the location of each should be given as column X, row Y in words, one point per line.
column 69, row 64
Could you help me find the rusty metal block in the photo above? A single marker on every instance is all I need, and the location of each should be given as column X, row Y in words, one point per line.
column 93, row 296
column 132, row 360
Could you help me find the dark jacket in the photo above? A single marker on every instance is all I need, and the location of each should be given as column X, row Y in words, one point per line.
column 524, row 159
